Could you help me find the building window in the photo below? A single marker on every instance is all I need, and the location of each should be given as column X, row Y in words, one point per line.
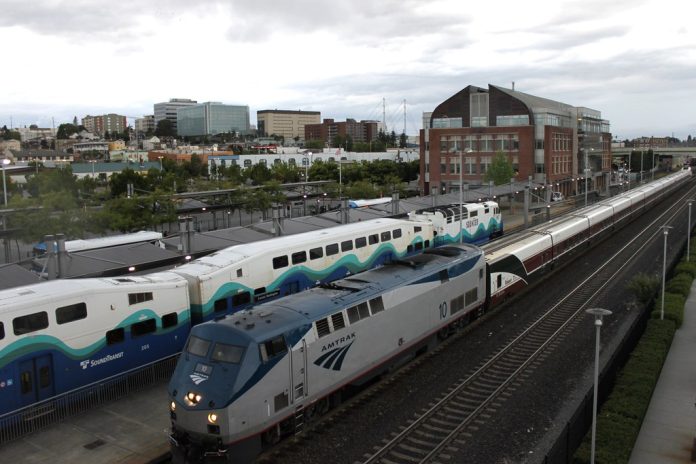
column 485, row 164
column 470, row 165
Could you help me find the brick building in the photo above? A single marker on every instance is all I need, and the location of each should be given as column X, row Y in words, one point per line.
column 543, row 139
column 358, row 131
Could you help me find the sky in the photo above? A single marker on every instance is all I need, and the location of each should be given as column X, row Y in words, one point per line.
column 635, row 61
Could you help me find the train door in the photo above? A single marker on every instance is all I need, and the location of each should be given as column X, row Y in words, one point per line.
column 36, row 379
column 299, row 372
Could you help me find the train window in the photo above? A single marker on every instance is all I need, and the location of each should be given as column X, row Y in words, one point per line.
column 332, row 249
column 385, row 236
column 322, row 327
column 409, row 249
column 444, row 277
column 197, row 346
column 376, row 305
column 373, row 238
column 259, row 291
column 427, row 244
column 239, row 273
column 115, row 336
column 2, row 330
column 30, row 323
column 419, row 246
column 241, row 299
column 143, row 327
column 471, row 296
column 474, row 213
column 27, row 384
column 485, row 211
column 220, row 305
column 172, row 319
column 347, row 245
column 227, row 353
column 316, row 253
column 299, row 257
column 44, row 376
column 280, row 262
column 272, row 348
column 338, row 321
column 457, row 304
column 135, row 298
column 396, row 233
column 480, row 273
column 499, row 280
column 417, row 228
column 360, row 242
column 71, row 313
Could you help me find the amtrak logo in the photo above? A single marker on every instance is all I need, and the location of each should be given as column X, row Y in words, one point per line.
column 197, row 378
column 333, row 359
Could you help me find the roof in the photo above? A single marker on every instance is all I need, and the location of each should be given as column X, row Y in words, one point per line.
column 536, row 104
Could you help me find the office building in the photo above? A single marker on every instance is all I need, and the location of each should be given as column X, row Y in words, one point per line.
column 167, row 110
column 212, row 118
column 549, row 142
column 107, row 123
column 285, row 123
column 358, row 131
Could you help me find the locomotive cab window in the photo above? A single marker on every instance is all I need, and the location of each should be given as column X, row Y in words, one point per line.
column 227, row 353
column 71, row 313
column 197, row 346
column 272, row 348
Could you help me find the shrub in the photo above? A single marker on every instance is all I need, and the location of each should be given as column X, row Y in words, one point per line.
column 686, row 267
column 674, row 308
column 644, row 287
column 680, row 283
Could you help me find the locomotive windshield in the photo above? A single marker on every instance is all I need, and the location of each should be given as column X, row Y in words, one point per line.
column 227, row 353
column 197, row 346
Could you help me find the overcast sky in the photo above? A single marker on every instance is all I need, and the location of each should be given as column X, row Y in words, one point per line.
column 635, row 61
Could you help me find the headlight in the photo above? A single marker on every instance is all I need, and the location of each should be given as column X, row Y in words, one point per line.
column 212, row 417
column 193, row 398
column 172, row 406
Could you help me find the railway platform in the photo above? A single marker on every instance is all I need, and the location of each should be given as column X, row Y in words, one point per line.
column 129, row 431
column 667, row 435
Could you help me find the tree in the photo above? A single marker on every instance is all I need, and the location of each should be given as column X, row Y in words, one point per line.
column 402, row 140
column 500, row 171
column 165, row 128
column 66, row 130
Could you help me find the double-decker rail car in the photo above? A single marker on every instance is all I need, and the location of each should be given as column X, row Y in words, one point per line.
column 63, row 334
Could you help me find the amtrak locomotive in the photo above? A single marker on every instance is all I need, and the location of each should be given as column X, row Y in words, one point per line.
column 253, row 376
column 245, row 380
column 58, row 336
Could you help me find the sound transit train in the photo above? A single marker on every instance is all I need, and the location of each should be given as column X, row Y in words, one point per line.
column 58, row 336
column 245, row 380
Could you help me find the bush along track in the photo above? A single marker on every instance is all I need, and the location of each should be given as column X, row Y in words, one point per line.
column 621, row 415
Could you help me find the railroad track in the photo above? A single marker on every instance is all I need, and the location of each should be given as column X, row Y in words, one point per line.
column 438, row 432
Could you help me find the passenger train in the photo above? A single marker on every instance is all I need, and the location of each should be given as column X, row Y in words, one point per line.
column 245, row 380
column 58, row 336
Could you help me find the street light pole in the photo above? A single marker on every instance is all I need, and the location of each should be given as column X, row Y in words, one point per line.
column 688, row 231
column 665, row 230
column 598, row 313
column 4, row 184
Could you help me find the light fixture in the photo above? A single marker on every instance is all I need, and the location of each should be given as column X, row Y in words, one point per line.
column 193, row 398
column 212, row 417
column 131, row 269
column 172, row 406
